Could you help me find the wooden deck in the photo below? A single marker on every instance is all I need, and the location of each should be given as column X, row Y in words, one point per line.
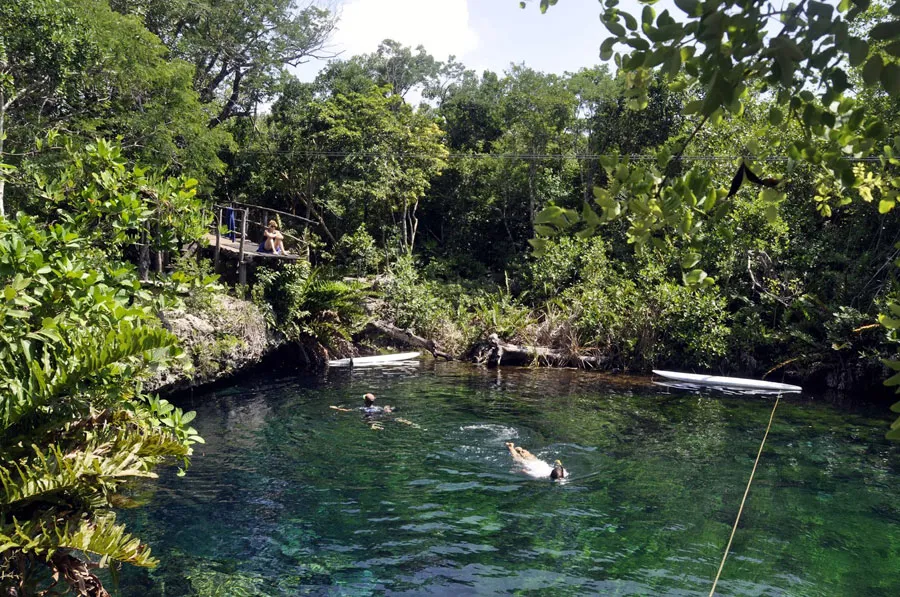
column 250, row 253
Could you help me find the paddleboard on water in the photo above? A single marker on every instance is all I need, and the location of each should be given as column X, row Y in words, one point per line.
column 727, row 382
column 381, row 359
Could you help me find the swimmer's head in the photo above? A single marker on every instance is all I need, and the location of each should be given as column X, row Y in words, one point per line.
column 558, row 471
column 369, row 399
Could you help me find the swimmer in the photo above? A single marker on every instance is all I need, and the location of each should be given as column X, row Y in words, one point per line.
column 370, row 411
column 369, row 402
column 558, row 471
column 520, row 454
column 368, row 406
column 534, row 466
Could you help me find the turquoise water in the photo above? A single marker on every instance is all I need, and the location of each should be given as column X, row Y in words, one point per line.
column 290, row 497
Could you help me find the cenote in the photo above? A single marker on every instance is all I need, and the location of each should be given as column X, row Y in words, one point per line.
column 291, row 497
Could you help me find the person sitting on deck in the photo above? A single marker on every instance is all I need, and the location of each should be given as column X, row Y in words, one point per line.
column 274, row 240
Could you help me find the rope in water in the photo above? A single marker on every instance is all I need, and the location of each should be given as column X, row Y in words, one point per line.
column 746, row 491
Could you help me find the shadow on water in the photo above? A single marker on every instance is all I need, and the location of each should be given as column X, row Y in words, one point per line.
column 291, row 497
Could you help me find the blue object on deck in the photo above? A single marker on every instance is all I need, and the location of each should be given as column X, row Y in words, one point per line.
column 229, row 217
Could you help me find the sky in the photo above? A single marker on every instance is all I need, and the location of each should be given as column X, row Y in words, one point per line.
column 482, row 34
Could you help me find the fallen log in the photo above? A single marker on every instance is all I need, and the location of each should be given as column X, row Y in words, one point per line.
column 496, row 352
column 409, row 338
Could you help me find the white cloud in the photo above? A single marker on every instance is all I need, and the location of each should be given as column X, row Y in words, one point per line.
column 442, row 26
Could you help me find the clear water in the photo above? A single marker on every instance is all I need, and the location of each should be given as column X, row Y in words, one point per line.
column 290, row 497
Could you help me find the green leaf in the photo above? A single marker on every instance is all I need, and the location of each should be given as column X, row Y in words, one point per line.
column 872, row 70
column 615, row 28
column 885, row 205
column 690, row 260
column 776, row 116
column 886, row 31
column 689, row 7
column 772, row 214
column 630, row 21
column 858, row 51
column 771, row 196
column 694, row 277
column 890, row 78
column 606, row 48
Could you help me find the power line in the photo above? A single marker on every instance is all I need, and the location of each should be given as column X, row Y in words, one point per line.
column 523, row 156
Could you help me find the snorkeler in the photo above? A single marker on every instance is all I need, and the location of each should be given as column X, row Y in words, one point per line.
column 534, row 466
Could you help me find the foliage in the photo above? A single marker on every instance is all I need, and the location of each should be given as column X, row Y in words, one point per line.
column 240, row 47
column 76, row 426
column 81, row 67
column 804, row 66
column 301, row 302
column 114, row 205
column 358, row 253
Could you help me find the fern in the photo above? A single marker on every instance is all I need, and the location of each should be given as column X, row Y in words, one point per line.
column 75, row 428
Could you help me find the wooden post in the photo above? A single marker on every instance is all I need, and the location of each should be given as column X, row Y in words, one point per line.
column 218, row 242
column 144, row 258
column 242, row 267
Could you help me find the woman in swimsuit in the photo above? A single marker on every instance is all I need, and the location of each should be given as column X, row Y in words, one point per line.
column 274, row 239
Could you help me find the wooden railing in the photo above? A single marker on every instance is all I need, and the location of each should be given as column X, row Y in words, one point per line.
column 242, row 218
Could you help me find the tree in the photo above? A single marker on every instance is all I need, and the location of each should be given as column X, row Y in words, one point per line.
column 351, row 159
column 722, row 50
column 396, row 65
column 239, row 48
column 40, row 56
column 79, row 67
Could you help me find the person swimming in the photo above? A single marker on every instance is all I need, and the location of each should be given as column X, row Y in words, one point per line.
column 533, row 465
column 371, row 412
column 368, row 406
column 558, row 471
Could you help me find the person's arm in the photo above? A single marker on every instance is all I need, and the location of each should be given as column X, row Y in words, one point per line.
column 343, row 410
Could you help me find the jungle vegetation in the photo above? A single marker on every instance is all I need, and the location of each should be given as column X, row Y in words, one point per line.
column 720, row 196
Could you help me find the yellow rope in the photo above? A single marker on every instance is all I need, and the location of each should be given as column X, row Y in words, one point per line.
column 746, row 491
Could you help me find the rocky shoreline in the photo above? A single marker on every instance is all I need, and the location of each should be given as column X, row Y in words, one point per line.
column 220, row 338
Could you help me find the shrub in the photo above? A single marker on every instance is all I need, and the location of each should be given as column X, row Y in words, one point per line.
column 76, row 429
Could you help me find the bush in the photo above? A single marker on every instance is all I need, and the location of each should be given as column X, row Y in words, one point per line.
column 299, row 302
column 356, row 254
column 76, row 340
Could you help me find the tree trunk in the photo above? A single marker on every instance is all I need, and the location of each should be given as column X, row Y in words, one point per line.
column 404, row 236
column 2, row 138
column 409, row 338
column 495, row 352
column 532, row 172
column 144, row 258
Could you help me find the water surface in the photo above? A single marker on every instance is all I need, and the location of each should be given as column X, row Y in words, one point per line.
column 290, row 497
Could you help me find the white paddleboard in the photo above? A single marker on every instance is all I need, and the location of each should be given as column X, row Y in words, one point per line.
column 728, row 382
column 381, row 359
